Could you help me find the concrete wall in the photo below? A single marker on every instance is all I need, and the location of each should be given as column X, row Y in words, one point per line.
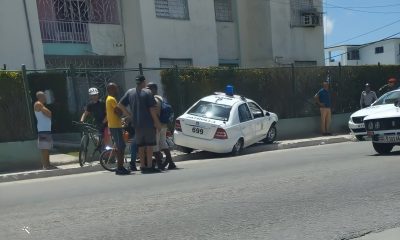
column 15, row 48
column 255, row 33
column 19, row 156
column 307, row 127
column 292, row 44
column 228, row 41
column 389, row 56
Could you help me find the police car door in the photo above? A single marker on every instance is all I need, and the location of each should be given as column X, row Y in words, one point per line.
column 246, row 124
column 261, row 124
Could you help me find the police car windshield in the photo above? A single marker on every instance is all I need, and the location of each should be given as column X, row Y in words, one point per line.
column 211, row 110
column 387, row 98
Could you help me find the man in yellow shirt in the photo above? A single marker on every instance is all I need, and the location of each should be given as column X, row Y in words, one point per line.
column 115, row 125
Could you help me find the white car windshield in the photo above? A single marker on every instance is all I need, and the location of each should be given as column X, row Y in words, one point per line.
column 387, row 98
column 211, row 110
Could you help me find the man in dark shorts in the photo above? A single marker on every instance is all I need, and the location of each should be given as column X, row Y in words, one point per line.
column 97, row 109
column 115, row 126
column 144, row 119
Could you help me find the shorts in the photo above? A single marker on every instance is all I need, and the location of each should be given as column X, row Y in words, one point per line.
column 45, row 141
column 118, row 138
column 145, row 137
column 161, row 140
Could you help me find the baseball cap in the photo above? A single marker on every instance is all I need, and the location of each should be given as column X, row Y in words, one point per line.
column 152, row 85
column 140, row 79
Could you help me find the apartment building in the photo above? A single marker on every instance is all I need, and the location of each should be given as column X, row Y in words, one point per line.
column 160, row 33
column 386, row 52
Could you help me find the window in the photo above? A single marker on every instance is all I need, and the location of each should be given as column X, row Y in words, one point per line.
column 304, row 14
column 223, row 10
column 388, row 98
column 378, row 50
column 244, row 113
column 256, row 110
column 171, row 62
column 211, row 110
column 177, row 9
column 353, row 55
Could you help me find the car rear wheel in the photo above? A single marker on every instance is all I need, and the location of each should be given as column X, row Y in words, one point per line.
column 360, row 137
column 382, row 148
column 237, row 148
column 271, row 135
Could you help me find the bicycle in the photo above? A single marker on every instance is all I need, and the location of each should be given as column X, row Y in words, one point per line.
column 108, row 158
column 89, row 132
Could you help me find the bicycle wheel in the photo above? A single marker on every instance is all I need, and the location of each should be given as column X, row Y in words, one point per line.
column 108, row 159
column 83, row 150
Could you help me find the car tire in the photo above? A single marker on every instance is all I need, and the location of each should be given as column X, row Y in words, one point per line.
column 271, row 134
column 382, row 148
column 237, row 148
column 186, row 150
column 360, row 137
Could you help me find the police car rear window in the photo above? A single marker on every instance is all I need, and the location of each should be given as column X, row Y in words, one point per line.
column 211, row 110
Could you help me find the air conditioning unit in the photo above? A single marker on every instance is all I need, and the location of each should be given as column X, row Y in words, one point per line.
column 310, row 20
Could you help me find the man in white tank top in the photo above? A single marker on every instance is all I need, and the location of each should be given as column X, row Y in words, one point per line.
column 45, row 140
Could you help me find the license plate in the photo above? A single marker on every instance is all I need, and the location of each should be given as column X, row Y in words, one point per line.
column 198, row 130
column 391, row 139
column 360, row 126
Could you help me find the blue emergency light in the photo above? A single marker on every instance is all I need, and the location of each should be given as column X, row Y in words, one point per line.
column 229, row 90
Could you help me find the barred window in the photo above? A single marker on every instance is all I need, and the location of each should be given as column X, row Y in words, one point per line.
column 304, row 13
column 223, row 10
column 171, row 62
column 177, row 9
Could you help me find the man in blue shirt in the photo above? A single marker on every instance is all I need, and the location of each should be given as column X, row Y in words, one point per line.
column 323, row 99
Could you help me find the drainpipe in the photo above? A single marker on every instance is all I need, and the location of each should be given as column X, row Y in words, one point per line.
column 29, row 34
column 236, row 21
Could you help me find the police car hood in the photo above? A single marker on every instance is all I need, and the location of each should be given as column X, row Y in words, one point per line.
column 372, row 110
column 390, row 113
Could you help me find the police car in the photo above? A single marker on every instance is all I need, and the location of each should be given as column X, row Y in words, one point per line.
column 384, row 128
column 224, row 123
column 384, row 103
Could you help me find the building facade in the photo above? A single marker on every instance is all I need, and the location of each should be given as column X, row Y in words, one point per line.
column 386, row 52
column 161, row 33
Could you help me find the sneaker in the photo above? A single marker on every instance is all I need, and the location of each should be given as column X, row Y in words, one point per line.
column 122, row 171
column 133, row 168
column 172, row 166
column 150, row 170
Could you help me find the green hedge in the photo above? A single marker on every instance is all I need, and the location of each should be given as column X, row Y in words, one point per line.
column 287, row 91
column 14, row 112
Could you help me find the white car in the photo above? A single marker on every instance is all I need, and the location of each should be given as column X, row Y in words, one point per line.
column 384, row 103
column 222, row 124
column 384, row 128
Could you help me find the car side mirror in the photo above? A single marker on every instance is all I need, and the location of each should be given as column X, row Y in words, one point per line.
column 266, row 113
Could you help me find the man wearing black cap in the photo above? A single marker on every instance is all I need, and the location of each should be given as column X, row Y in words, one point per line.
column 367, row 97
column 144, row 119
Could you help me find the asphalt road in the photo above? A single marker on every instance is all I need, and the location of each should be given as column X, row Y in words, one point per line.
column 338, row 191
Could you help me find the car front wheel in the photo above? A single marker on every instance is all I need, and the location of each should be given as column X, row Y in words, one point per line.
column 271, row 135
column 382, row 148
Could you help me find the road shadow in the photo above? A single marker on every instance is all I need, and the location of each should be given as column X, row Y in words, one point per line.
column 393, row 153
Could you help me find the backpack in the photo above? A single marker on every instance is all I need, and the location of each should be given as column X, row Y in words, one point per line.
column 166, row 112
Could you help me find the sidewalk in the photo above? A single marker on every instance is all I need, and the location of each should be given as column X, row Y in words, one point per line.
column 68, row 164
column 391, row 234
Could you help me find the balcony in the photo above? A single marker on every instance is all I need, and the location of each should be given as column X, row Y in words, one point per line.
column 64, row 32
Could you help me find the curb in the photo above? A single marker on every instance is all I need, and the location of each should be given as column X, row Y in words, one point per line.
column 73, row 169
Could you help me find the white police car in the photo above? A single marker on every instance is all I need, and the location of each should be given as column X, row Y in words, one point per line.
column 384, row 103
column 384, row 128
column 221, row 123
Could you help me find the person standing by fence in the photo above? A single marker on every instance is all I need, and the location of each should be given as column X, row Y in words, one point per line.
column 367, row 97
column 45, row 140
column 115, row 125
column 144, row 119
column 323, row 99
column 161, row 136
